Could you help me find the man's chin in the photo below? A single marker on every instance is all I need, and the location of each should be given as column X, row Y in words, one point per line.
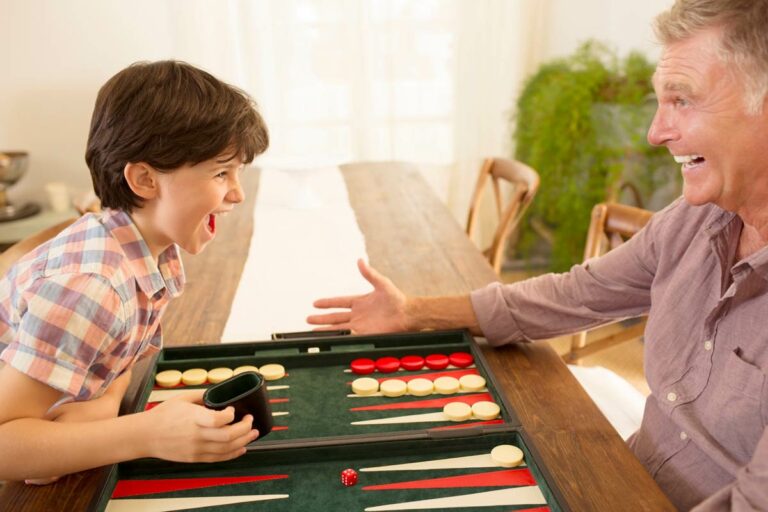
column 695, row 197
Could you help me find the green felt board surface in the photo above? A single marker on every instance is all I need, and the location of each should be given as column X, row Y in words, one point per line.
column 314, row 483
column 318, row 402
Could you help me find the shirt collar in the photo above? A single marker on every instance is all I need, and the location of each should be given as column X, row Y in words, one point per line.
column 152, row 276
column 720, row 227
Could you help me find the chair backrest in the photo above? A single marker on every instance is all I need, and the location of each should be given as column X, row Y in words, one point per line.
column 524, row 182
column 611, row 225
column 19, row 249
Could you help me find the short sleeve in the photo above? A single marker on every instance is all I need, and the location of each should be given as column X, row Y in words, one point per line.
column 68, row 324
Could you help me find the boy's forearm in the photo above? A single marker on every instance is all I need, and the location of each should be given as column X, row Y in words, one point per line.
column 37, row 448
column 104, row 407
column 453, row 312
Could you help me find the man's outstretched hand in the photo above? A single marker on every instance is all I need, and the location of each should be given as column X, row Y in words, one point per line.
column 382, row 310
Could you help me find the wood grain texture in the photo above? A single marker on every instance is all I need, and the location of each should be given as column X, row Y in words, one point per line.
column 411, row 237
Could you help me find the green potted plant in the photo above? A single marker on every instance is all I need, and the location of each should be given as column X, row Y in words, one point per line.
column 581, row 123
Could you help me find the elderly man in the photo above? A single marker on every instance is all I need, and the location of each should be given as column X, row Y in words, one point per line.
column 700, row 269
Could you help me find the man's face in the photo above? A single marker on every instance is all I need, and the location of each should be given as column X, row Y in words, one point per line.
column 702, row 120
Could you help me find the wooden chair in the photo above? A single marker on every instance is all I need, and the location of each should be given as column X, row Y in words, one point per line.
column 611, row 225
column 22, row 247
column 524, row 182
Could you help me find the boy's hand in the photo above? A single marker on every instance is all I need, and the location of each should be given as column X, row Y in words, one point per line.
column 382, row 310
column 182, row 430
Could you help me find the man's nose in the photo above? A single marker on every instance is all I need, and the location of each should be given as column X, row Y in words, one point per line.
column 662, row 129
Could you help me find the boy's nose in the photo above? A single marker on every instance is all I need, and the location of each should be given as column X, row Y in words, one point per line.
column 236, row 194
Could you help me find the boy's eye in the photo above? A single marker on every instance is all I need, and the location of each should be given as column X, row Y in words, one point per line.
column 222, row 174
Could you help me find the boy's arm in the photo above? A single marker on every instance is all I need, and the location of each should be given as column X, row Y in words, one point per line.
column 106, row 406
column 177, row 430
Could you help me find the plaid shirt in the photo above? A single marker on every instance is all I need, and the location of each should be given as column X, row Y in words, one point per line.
column 80, row 309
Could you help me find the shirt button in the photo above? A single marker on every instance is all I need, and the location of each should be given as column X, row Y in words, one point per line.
column 708, row 345
column 683, row 436
column 671, row 396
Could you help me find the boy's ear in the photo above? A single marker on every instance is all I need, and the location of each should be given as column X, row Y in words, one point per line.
column 142, row 179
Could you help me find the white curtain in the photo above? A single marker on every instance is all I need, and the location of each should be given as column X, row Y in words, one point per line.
column 426, row 81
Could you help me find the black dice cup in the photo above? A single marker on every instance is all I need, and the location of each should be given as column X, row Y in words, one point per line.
column 247, row 393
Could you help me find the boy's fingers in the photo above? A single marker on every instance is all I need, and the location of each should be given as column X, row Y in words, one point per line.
column 210, row 418
column 229, row 432
column 194, row 396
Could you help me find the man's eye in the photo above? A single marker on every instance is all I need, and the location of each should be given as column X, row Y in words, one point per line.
column 681, row 102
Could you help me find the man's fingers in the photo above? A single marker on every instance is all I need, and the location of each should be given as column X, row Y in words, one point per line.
column 335, row 327
column 330, row 318
column 335, row 302
column 370, row 274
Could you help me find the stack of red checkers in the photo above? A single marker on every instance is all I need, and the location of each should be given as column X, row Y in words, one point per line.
column 412, row 363
column 387, row 364
column 461, row 359
column 362, row 366
column 436, row 361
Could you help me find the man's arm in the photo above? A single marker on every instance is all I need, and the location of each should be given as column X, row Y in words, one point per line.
column 179, row 430
column 387, row 309
column 749, row 492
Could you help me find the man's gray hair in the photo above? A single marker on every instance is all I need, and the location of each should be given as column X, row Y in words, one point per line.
column 744, row 42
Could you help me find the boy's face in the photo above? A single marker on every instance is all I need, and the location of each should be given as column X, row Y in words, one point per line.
column 188, row 201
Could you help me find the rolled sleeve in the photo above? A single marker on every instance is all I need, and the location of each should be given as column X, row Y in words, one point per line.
column 67, row 324
column 494, row 315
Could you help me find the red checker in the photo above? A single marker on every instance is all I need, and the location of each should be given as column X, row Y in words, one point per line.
column 461, row 359
column 349, row 477
column 412, row 363
column 362, row 366
column 437, row 361
column 387, row 364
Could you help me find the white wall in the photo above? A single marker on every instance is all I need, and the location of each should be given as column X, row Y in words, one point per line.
column 56, row 54
column 624, row 24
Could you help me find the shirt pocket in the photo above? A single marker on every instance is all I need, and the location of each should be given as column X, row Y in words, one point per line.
column 740, row 405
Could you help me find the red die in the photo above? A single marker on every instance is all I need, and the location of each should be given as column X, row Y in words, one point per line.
column 349, row 477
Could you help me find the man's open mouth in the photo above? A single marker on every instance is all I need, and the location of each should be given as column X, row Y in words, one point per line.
column 689, row 160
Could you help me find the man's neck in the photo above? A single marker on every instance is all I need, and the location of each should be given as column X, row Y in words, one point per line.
column 750, row 241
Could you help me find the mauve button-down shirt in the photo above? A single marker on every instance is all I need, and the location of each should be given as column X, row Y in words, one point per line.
column 703, row 437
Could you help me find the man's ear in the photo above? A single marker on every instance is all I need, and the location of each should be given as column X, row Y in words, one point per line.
column 142, row 179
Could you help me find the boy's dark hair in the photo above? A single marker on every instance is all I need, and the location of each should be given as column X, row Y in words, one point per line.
column 166, row 114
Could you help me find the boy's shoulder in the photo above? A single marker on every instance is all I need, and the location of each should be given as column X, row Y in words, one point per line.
column 89, row 246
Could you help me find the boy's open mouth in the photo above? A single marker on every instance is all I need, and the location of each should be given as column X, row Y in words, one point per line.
column 211, row 223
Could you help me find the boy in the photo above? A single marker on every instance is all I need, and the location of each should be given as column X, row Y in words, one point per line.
column 166, row 144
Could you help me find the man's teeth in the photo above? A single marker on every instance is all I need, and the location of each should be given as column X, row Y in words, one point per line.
column 687, row 159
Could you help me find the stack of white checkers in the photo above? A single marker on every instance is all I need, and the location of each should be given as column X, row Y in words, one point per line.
column 367, row 386
column 460, row 411
column 199, row 376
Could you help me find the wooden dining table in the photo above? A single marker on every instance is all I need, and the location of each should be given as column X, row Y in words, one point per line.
column 411, row 237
